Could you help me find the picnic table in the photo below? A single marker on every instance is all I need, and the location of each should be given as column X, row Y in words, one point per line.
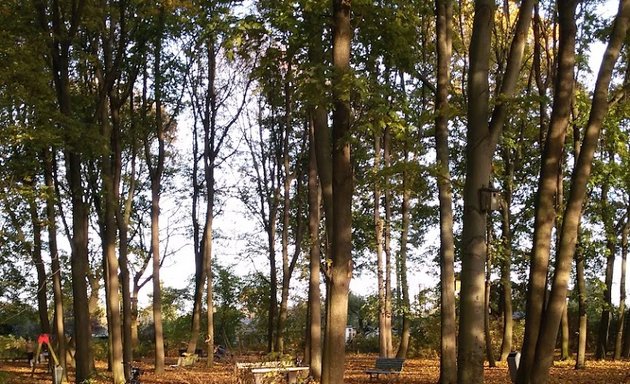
column 266, row 371
column 290, row 373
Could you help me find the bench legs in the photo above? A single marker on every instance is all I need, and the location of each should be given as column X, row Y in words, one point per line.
column 291, row 378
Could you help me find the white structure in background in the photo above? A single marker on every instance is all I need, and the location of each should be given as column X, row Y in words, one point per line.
column 350, row 333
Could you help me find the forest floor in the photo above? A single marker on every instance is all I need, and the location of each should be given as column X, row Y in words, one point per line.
column 416, row 371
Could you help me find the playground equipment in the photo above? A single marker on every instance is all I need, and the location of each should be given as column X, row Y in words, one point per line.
column 57, row 370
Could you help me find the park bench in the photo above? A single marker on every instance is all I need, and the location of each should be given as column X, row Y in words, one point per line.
column 386, row 366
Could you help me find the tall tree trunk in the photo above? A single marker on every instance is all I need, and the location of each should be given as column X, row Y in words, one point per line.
column 545, row 212
column 481, row 142
column 565, row 352
column 506, row 262
column 611, row 247
column 58, row 323
column 405, row 334
column 40, row 268
column 480, row 146
column 200, row 270
column 314, row 326
column 448, row 326
column 379, row 225
column 579, row 179
column 59, row 47
column 621, row 312
column 109, row 249
column 209, row 156
column 286, row 213
column 156, row 171
column 389, row 345
column 486, row 325
column 80, row 265
column 341, row 258
column 123, row 219
column 580, row 360
column 580, row 283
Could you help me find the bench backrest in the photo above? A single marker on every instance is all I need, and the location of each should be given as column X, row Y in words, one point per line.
column 389, row 364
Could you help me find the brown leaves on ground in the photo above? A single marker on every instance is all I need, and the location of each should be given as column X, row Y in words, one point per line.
column 416, row 371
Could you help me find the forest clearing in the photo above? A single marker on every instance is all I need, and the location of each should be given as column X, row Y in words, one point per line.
column 214, row 175
column 416, row 371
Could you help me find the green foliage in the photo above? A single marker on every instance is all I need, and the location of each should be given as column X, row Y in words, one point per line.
column 12, row 347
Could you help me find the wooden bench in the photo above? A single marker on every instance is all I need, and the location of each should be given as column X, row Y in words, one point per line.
column 385, row 366
column 290, row 373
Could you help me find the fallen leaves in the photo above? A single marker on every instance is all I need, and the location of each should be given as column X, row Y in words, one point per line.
column 416, row 371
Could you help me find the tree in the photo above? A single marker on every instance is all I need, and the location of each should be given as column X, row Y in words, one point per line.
column 579, row 178
column 59, row 35
column 340, row 261
column 448, row 355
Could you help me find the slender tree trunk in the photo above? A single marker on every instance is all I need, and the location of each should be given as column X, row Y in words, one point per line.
column 156, row 177
column 123, row 220
column 109, row 252
column 547, row 186
column 611, row 246
column 506, row 281
column 387, row 144
column 486, row 326
column 341, row 259
column 448, row 326
column 209, row 156
column 314, row 326
column 565, row 354
column 200, row 270
column 402, row 257
column 580, row 360
column 621, row 317
column 579, row 179
column 36, row 255
column 379, row 225
column 580, row 283
column 58, row 324
column 286, row 213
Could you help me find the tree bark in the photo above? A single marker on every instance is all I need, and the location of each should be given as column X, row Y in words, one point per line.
column 547, row 186
column 387, row 144
column 286, row 214
column 448, row 326
column 379, row 226
column 486, row 325
column 565, row 352
column 341, row 258
column 156, row 171
column 40, row 268
column 59, row 48
column 479, row 149
column 506, row 281
column 58, row 323
column 405, row 334
column 580, row 360
column 579, row 179
column 611, row 247
column 621, row 312
column 314, row 326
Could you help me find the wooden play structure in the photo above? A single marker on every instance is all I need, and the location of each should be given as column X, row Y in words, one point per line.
column 57, row 370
